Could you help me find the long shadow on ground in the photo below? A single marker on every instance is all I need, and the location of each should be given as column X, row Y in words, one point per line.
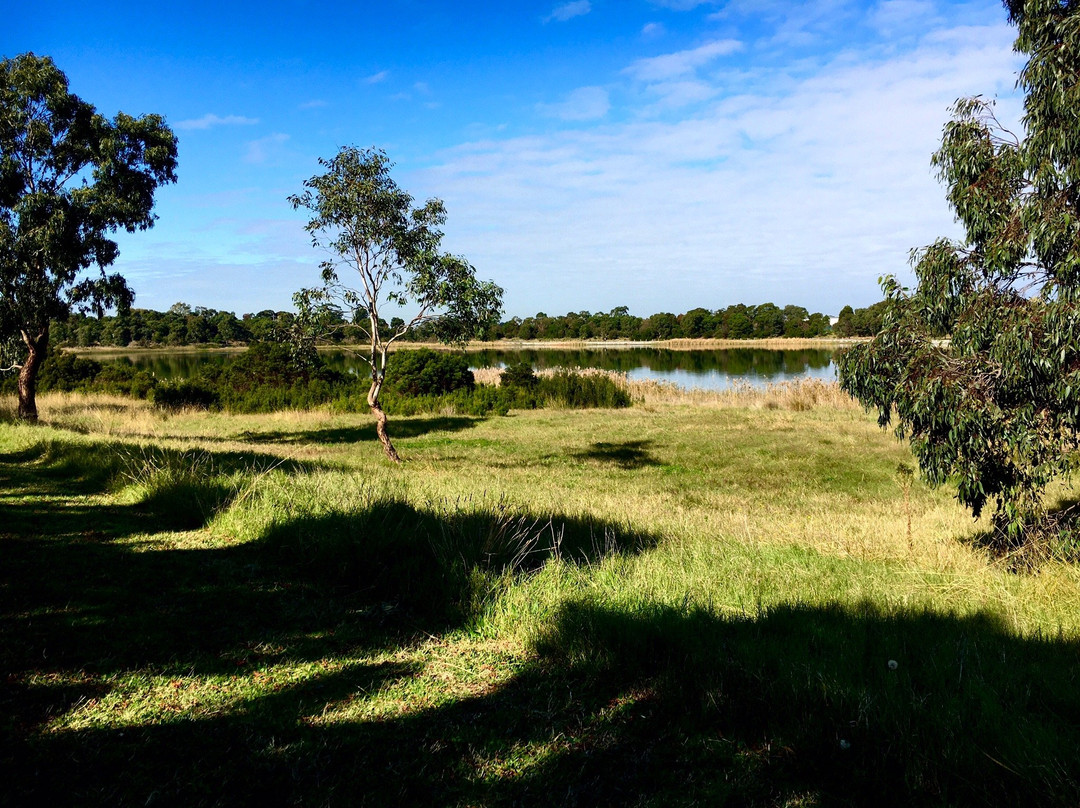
column 664, row 706
column 398, row 428
column 630, row 454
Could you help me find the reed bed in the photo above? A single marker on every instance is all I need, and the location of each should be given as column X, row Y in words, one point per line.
column 798, row 395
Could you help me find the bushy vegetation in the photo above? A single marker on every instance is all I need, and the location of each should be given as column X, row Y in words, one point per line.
column 519, row 374
column 561, row 389
column 267, row 377
column 425, row 372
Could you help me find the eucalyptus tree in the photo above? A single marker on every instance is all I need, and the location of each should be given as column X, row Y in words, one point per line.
column 383, row 251
column 979, row 364
column 69, row 178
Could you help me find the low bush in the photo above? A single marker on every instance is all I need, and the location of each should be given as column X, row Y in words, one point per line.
column 67, row 372
column 425, row 372
column 519, row 374
column 178, row 394
column 267, row 377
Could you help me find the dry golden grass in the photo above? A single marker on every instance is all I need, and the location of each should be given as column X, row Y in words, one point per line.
column 800, row 395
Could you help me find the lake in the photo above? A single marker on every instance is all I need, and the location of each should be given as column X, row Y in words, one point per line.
column 706, row 369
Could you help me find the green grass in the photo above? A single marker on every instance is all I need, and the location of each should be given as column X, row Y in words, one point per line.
column 652, row 606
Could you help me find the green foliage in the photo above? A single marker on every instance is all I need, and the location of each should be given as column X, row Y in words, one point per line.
column 268, row 377
column 519, row 374
column 179, row 394
column 69, row 177
column 121, row 379
column 563, row 389
column 361, row 216
column 996, row 407
column 67, row 372
column 425, row 372
column 566, row 388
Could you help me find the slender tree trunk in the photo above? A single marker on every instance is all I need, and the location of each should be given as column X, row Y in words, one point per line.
column 380, row 421
column 27, row 384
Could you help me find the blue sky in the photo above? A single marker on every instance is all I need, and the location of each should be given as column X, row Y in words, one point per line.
column 657, row 154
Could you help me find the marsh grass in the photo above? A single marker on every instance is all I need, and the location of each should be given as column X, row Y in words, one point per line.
column 673, row 604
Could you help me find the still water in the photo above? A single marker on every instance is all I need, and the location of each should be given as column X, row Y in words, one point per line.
column 709, row 370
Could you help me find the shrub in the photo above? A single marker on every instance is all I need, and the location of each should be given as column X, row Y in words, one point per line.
column 66, row 372
column 174, row 394
column 121, row 379
column 425, row 372
column 519, row 374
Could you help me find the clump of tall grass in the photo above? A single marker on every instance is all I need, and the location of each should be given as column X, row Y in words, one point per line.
column 182, row 489
column 444, row 559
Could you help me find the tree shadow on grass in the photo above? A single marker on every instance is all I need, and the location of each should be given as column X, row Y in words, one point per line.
column 672, row 707
column 182, row 490
column 398, row 428
column 81, row 612
column 631, row 454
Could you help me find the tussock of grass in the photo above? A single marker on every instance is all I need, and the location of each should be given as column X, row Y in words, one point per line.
column 677, row 603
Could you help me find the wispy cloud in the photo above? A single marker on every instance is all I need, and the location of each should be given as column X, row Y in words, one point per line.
column 680, row 5
column 798, row 188
column 794, row 23
column 263, row 149
column 567, row 11
column 652, row 29
column 210, row 120
column 893, row 14
column 315, row 103
column 376, row 78
column 674, row 65
column 583, row 104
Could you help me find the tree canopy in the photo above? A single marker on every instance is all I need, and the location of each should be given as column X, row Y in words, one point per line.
column 69, row 178
column 979, row 364
column 392, row 254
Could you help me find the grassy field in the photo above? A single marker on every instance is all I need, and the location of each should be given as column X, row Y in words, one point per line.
column 732, row 599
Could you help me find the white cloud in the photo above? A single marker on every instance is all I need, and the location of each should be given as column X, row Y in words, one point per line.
column 652, row 29
column 263, row 149
column 315, row 103
column 893, row 14
column 795, row 22
column 209, row 120
column 675, row 94
column 376, row 78
column 567, row 11
column 583, row 104
column 674, row 65
column 803, row 188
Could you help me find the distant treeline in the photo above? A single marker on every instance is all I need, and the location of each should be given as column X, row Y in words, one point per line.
column 195, row 325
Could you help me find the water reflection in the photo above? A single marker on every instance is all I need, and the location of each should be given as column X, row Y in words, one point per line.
column 710, row 370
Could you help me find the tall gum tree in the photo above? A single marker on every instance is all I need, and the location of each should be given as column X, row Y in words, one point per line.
column 390, row 251
column 979, row 365
column 69, row 178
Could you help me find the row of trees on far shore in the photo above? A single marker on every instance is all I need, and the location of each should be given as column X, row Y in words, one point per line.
column 183, row 325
